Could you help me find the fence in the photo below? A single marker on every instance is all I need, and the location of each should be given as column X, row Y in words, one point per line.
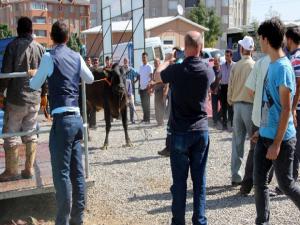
column 43, row 131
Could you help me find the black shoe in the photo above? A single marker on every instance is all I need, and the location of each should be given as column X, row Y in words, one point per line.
column 272, row 193
column 278, row 191
column 235, row 184
column 245, row 191
column 165, row 152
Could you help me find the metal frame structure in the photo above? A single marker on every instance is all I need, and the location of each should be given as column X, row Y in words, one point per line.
column 47, row 189
column 136, row 7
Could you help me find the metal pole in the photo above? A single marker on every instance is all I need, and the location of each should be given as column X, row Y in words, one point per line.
column 85, row 131
column 13, row 75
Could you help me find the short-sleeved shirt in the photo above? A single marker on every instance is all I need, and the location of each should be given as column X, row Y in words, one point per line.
column 145, row 75
column 280, row 73
column 225, row 72
column 295, row 60
column 255, row 82
column 189, row 83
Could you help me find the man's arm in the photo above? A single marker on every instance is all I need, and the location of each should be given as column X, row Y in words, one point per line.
column 296, row 101
column 85, row 72
column 251, row 80
column 163, row 66
column 285, row 96
column 45, row 69
column 7, row 67
column 230, row 84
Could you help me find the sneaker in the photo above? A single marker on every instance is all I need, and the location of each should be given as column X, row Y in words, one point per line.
column 165, row 152
column 235, row 184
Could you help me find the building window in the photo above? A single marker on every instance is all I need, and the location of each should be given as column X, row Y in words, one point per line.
column 38, row 5
column 153, row 12
column 210, row 3
column 40, row 33
column 17, row 8
column 191, row 3
column 39, row 20
column 225, row 3
column 93, row 8
column 71, row 8
column 168, row 42
column 172, row 5
column 225, row 19
column 93, row 23
column 82, row 24
column 82, row 9
column 50, row 7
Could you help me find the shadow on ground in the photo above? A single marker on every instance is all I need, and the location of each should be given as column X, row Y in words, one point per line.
column 129, row 160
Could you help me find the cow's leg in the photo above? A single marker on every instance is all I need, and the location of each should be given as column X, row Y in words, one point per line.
column 125, row 126
column 107, row 126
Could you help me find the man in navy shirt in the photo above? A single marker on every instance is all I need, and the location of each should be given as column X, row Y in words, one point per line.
column 189, row 140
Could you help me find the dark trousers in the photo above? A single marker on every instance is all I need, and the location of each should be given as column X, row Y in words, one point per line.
column 214, row 104
column 67, row 169
column 189, row 150
column 145, row 99
column 224, row 105
column 247, row 182
column 297, row 151
column 160, row 106
column 283, row 167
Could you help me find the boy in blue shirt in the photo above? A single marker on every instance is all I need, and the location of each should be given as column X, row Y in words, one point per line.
column 277, row 134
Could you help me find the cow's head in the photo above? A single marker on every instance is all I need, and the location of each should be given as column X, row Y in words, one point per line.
column 118, row 86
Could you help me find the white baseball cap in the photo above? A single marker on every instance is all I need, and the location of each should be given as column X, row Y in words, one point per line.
column 247, row 43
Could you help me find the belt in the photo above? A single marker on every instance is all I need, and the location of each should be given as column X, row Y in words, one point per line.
column 65, row 114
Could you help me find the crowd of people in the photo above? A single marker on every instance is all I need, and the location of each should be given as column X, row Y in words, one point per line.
column 259, row 100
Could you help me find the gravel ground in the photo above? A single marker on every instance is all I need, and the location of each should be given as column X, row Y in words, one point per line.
column 132, row 184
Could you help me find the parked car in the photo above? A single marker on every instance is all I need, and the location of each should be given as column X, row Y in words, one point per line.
column 210, row 53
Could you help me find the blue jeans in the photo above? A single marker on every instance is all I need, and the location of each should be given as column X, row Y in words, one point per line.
column 283, row 167
column 189, row 150
column 67, row 169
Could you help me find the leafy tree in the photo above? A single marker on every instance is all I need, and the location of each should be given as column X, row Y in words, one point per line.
column 255, row 25
column 4, row 31
column 208, row 18
column 74, row 42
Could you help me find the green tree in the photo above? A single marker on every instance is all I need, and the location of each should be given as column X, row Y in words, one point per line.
column 208, row 18
column 74, row 42
column 4, row 31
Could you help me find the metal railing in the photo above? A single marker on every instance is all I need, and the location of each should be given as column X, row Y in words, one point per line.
column 43, row 131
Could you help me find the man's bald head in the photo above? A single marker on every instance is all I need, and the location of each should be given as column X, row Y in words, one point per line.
column 193, row 43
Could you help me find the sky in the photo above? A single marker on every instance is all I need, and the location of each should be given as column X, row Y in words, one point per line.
column 288, row 9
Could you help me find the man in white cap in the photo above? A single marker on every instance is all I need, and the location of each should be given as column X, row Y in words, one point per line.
column 242, row 103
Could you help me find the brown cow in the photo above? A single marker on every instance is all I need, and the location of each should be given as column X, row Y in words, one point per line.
column 108, row 92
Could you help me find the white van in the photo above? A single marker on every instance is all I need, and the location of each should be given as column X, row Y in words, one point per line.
column 153, row 47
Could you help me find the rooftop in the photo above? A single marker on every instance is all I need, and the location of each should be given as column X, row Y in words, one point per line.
column 150, row 23
column 76, row 2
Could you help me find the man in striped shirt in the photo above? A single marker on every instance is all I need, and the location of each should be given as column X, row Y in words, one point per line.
column 293, row 45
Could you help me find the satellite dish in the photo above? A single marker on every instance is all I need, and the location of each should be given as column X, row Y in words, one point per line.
column 180, row 9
